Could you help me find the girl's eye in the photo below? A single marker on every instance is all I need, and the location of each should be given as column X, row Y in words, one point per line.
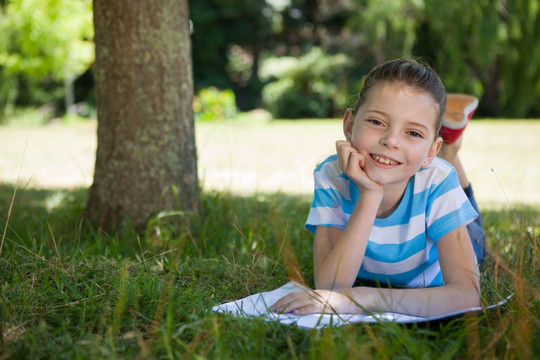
column 415, row 134
column 374, row 122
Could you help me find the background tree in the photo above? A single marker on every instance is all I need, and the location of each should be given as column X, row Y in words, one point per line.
column 146, row 156
column 371, row 30
column 45, row 45
column 487, row 49
column 228, row 38
column 484, row 48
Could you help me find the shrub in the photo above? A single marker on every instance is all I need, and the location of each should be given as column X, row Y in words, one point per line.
column 211, row 104
column 305, row 86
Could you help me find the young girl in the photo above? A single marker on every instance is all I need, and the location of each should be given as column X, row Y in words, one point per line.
column 388, row 211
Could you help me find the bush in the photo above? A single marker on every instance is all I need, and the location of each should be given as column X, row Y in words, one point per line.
column 305, row 86
column 283, row 100
column 211, row 104
column 44, row 46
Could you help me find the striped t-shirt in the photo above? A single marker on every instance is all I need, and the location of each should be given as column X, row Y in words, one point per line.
column 400, row 250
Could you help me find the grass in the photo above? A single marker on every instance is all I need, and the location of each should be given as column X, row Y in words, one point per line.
column 67, row 291
column 273, row 157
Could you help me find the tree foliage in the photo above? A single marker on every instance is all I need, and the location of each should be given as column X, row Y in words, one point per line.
column 486, row 47
column 44, row 43
column 218, row 25
column 305, row 86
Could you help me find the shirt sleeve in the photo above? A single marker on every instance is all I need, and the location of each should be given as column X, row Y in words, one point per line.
column 327, row 206
column 448, row 207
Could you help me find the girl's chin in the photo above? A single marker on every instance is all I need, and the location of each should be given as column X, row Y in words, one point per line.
column 383, row 179
column 376, row 175
column 378, row 179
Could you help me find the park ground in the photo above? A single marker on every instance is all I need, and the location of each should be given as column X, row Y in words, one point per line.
column 68, row 291
column 501, row 157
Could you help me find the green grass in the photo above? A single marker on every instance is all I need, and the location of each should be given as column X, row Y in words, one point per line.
column 500, row 156
column 67, row 291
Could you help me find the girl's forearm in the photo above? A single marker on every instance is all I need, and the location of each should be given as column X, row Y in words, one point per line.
column 422, row 302
column 339, row 268
column 461, row 289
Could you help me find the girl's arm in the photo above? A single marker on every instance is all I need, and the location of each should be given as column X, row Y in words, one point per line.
column 338, row 254
column 460, row 291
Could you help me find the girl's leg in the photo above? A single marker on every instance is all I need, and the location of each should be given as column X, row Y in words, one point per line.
column 475, row 229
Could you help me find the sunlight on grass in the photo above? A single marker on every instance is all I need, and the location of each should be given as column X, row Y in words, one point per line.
column 68, row 291
column 499, row 156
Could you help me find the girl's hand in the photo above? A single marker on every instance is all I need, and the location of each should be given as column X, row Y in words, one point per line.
column 316, row 302
column 352, row 163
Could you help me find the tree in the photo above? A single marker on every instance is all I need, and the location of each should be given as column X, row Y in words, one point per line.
column 146, row 155
column 44, row 45
column 365, row 32
column 478, row 47
column 230, row 36
column 382, row 29
column 485, row 49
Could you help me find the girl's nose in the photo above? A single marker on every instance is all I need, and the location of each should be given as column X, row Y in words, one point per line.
column 390, row 140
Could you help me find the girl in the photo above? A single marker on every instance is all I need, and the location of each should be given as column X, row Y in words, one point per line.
column 387, row 210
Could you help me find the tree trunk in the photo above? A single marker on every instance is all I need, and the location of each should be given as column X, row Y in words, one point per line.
column 146, row 157
column 69, row 97
column 490, row 101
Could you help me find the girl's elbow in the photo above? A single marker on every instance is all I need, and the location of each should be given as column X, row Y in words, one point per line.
column 322, row 283
column 473, row 300
column 464, row 295
column 470, row 296
column 476, row 298
column 326, row 285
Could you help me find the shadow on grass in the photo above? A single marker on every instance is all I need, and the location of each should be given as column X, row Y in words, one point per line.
column 238, row 226
column 260, row 231
column 110, row 296
column 60, row 276
column 36, row 213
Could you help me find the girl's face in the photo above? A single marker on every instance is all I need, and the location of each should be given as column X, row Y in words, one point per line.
column 394, row 131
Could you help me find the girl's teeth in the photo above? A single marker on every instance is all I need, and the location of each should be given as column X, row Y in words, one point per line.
column 384, row 161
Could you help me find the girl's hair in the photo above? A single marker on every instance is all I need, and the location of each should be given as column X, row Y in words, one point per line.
column 419, row 76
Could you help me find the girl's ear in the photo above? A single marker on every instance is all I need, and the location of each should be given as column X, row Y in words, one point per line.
column 433, row 151
column 348, row 123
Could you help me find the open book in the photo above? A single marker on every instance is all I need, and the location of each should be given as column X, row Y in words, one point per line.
column 258, row 305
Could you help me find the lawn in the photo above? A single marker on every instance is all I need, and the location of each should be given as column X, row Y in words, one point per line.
column 501, row 157
column 67, row 291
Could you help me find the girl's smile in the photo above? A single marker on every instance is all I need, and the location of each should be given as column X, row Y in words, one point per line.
column 384, row 161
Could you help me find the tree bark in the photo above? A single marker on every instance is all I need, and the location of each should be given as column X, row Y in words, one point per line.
column 490, row 100
column 146, row 158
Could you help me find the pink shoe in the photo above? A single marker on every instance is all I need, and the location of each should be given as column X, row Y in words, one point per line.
column 459, row 110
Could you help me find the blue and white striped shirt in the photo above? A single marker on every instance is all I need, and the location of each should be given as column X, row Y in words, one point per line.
column 400, row 250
